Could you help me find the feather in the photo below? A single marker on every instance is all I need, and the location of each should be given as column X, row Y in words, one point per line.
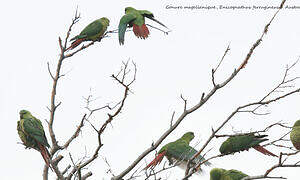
column 264, row 151
column 75, row 44
column 141, row 31
column 157, row 160
column 45, row 154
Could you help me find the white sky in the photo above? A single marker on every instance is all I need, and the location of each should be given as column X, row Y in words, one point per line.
column 179, row 63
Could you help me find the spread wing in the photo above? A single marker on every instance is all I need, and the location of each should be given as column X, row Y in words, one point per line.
column 125, row 20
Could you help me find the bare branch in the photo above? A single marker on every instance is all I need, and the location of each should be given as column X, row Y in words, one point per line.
column 164, row 168
column 262, row 177
column 215, row 70
column 110, row 118
column 74, row 21
column 80, row 49
column 171, row 123
column 66, row 169
column 259, row 131
column 76, row 133
column 109, row 167
column 53, row 105
column 48, row 66
column 184, row 101
column 279, row 165
column 87, row 175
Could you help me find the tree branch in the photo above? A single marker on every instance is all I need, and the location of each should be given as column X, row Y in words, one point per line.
column 110, row 118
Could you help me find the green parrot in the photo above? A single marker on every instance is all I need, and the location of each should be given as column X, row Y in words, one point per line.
column 244, row 142
column 136, row 19
column 179, row 150
column 295, row 135
column 31, row 132
column 92, row 32
column 222, row 174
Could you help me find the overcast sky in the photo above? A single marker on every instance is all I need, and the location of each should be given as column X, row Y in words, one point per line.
column 168, row 65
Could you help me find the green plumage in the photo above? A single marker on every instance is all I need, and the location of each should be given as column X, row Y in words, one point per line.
column 32, row 134
column 295, row 135
column 180, row 150
column 31, row 131
column 94, row 30
column 133, row 16
column 241, row 143
column 136, row 19
column 27, row 140
column 222, row 174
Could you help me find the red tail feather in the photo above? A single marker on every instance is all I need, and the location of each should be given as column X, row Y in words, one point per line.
column 264, row 151
column 156, row 160
column 141, row 31
column 45, row 154
column 75, row 44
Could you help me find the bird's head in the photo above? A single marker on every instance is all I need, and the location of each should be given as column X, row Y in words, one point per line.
column 224, row 147
column 189, row 136
column 24, row 114
column 128, row 9
column 105, row 20
column 297, row 123
column 216, row 173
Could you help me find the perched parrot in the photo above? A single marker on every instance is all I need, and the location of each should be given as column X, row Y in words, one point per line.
column 295, row 135
column 31, row 132
column 92, row 32
column 244, row 142
column 136, row 19
column 222, row 174
column 179, row 150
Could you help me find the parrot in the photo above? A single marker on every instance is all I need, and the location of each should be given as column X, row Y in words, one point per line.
column 295, row 135
column 222, row 174
column 91, row 32
column 179, row 150
column 244, row 142
column 31, row 133
column 136, row 19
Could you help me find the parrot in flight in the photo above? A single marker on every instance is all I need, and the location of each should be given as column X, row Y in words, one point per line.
column 295, row 135
column 92, row 32
column 31, row 132
column 136, row 19
column 244, row 142
column 179, row 150
column 222, row 174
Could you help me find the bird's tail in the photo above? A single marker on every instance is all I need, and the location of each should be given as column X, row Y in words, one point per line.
column 141, row 31
column 201, row 159
column 75, row 44
column 264, row 151
column 156, row 160
column 155, row 20
column 45, row 154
